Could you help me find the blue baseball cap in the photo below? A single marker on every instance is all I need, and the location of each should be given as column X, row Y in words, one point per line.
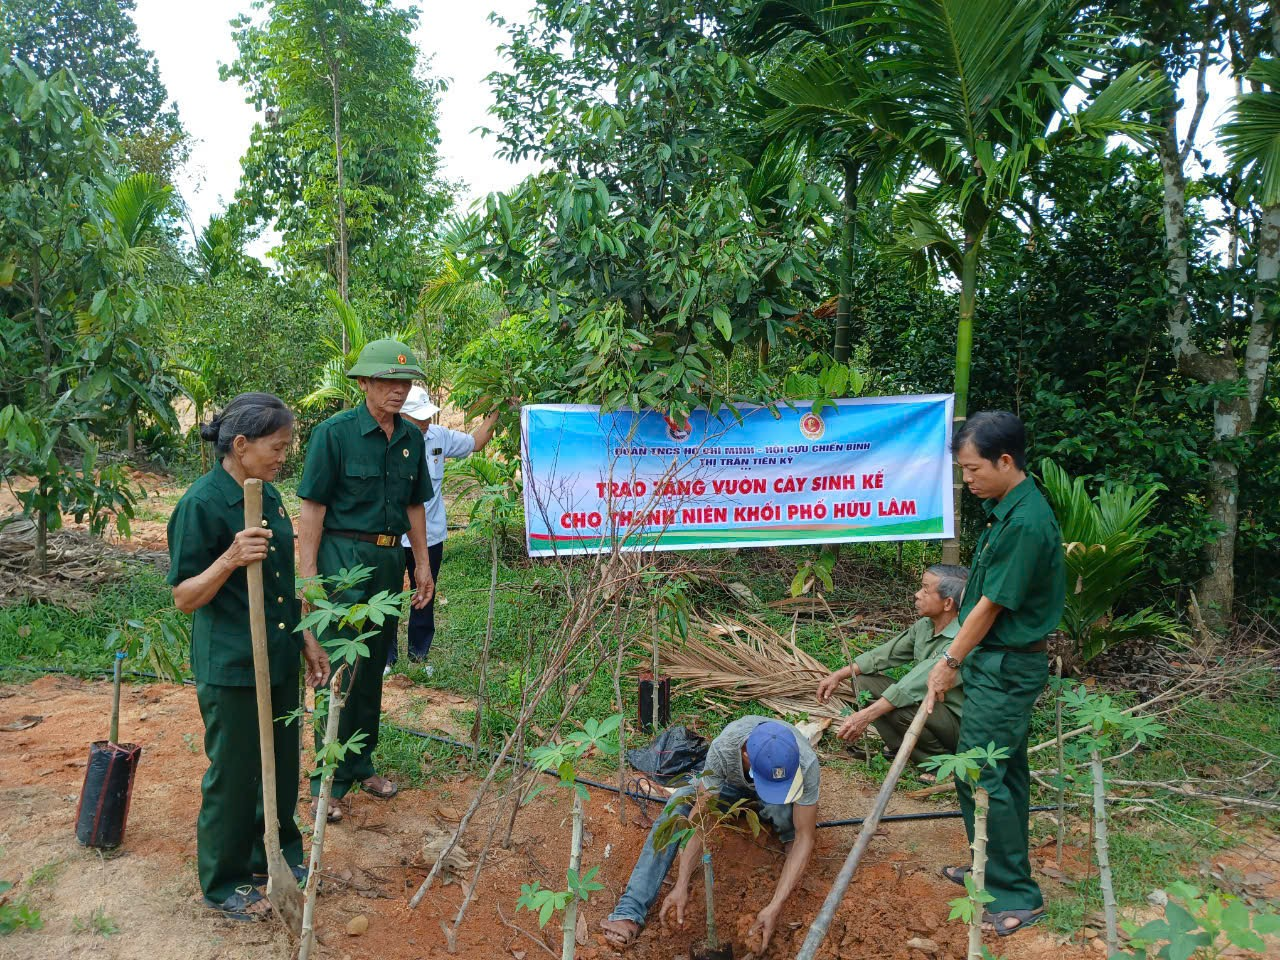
column 774, row 757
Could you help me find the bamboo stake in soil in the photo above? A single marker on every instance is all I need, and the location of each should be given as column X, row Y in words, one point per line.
column 822, row 923
column 1102, row 849
column 570, row 929
column 336, row 702
column 981, row 801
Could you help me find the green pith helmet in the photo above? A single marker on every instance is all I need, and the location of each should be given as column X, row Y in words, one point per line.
column 387, row 360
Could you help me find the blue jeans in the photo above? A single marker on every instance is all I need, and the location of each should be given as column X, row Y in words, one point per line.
column 651, row 869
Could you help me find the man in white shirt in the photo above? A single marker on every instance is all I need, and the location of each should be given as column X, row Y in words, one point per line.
column 442, row 444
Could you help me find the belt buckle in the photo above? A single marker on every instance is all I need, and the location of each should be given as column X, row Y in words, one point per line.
column 386, row 540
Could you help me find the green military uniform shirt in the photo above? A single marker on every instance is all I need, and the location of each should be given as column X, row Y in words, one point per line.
column 917, row 644
column 1019, row 565
column 201, row 528
column 364, row 479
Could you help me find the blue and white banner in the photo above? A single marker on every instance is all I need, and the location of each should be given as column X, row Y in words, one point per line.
column 873, row 468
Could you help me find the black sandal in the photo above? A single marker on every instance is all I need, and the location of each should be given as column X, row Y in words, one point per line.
column 236, row 906
column 956, row 874
column 1025, row 918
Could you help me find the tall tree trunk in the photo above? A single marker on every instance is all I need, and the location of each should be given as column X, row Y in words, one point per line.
column 335, row 81
column 1232, row 416
column 964, row 357
column 844, row 329
column 41, row 560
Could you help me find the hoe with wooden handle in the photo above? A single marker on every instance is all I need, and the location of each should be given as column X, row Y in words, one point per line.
column 282, row 887
column 822, row 923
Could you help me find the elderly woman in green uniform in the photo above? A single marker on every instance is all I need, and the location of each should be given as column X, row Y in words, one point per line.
column 1014, row 600
column 209, row 548
column 363, row 486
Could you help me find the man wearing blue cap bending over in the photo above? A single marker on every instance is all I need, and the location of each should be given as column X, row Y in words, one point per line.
column 763, row 760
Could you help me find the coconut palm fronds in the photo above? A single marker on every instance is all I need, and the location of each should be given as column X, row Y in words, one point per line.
column 749, row 660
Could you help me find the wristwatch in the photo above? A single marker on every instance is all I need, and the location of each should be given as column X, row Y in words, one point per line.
column 951, row 661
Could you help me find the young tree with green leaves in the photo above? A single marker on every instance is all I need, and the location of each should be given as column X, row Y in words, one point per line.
column 968, row 766
column 1108, row 724
column 344, row 162
column 119, row 80
column 655, row 239
column 82, row 355
column 600, row 736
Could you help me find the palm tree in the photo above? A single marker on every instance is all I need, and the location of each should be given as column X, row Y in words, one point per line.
column 804, row 36
column 975, row 91
column 333, row 385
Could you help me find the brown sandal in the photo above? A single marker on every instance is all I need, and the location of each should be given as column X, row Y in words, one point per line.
column 380, row 787
column 334, row 814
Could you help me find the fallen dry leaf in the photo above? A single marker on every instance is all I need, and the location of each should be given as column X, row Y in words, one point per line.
column 25, row 722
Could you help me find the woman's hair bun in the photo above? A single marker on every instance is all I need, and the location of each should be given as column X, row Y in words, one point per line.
column 209, row 431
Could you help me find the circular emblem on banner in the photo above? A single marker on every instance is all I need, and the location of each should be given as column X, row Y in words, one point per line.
column 676, row 432
column 812, row 427
column 400, row 358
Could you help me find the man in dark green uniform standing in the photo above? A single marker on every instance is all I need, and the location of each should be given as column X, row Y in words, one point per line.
column 1014, row 600
column 363, row 486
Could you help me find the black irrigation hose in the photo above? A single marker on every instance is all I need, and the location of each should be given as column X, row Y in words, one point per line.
column 852, row 822
column 585, row 781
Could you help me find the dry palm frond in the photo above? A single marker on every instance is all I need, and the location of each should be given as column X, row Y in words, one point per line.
column 748, row 660
column 78, row 564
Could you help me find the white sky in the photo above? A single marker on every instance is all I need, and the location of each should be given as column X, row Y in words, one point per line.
column 190, row 39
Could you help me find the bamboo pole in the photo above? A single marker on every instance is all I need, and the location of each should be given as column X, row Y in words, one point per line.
column 822, row 923
column 1102, row 848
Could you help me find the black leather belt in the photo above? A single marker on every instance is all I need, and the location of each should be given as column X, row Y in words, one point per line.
column 377, row 539
column 1041, row 647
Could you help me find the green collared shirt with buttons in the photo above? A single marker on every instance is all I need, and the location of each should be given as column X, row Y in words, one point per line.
column 201, row 528
column 918, row 644
column 1018, row 564
column 364, row 479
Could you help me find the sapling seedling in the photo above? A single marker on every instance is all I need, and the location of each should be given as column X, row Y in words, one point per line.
column 968, row 766
column 706, row 815
column 561, row 757
column 1195, row 924
column 328, row 620
column 1107, row 722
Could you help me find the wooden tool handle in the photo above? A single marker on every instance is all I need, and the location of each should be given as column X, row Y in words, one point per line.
column 261, row 669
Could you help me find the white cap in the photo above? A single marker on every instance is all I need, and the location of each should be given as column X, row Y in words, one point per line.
column 418, row 405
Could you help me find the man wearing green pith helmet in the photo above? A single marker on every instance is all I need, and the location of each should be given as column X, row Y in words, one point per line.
column 363, row 486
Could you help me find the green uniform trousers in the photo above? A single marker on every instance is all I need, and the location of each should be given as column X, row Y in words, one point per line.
column 941, row 731
column 1000, row 690
column 363, row 709
column 229, row 831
